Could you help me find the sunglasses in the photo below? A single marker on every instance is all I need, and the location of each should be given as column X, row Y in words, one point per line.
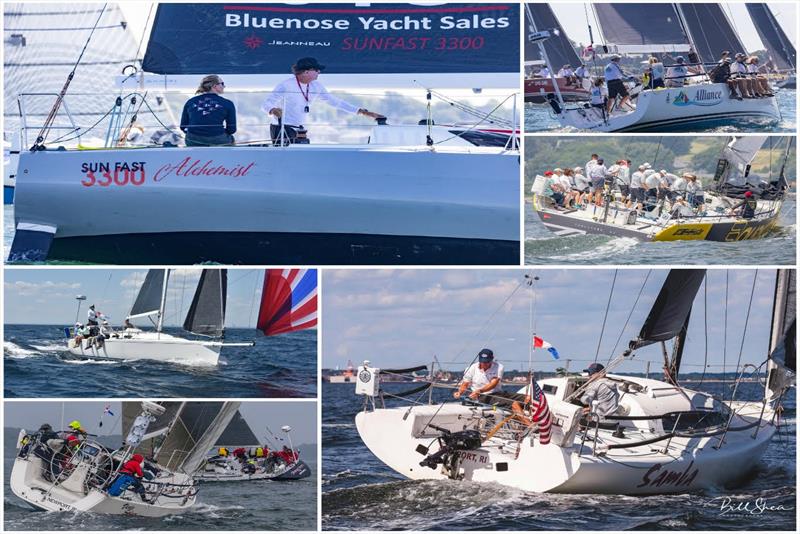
column 220, row 83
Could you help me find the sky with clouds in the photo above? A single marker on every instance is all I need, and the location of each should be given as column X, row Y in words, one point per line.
column 300, row 415
column 47, row 296
column 398, row 318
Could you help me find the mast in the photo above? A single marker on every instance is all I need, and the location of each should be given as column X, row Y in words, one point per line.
column 163, row 302
column 544, row 54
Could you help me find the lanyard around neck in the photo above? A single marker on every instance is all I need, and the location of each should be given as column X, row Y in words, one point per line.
column 307, row 91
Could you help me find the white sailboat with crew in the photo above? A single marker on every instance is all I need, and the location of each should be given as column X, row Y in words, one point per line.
column 690, row 99
column 661, row 437
column 418, row 194
column 54, row 475
column 206, row 317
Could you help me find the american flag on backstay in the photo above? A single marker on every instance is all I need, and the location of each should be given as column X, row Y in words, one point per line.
column 541, row 413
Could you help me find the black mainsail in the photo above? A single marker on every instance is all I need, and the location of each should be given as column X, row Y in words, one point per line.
column 641, row 28
column 148, row 301
column 710, row 31
column 780, row 49
column 558, row 47
column 237, row 434
column 670, row 311
column 207, row 313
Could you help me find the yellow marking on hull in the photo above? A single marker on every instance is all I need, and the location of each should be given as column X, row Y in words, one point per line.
column 684, row 232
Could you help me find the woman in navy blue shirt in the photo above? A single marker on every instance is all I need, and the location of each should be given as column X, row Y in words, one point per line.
column 208, row 119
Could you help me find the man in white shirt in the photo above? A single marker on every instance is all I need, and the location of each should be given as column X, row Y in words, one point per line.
column 290, row 102
column 567, row 73
column 482, row 377
column 637, row 188
column 544, row 72
column 739, row 76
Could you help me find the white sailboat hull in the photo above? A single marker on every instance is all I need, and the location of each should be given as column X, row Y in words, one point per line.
column 676, row 465
column 691, row 106
column 253, row 205
column 151, row 346
column 27, row 483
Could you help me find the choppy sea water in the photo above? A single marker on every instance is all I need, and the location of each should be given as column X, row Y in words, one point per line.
column 359, row 492
column 37, row 364
column 540, row 117
column 251, row 505
column 544, row 247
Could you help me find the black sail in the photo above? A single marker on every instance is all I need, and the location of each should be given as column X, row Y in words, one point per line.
column 559, row 48
column 148, row 301
column 710, row 31
column 237, row 434
column 782, row 344
column 641, row 27
column 780, row 48
column 671, row 308
column 207, row 313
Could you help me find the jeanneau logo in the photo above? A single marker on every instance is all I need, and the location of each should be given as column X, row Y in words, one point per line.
column 702, row 97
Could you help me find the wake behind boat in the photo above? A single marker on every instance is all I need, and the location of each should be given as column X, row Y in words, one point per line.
column 659, row 437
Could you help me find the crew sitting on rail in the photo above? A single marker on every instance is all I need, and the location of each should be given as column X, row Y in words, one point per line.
column 553, row 189
column 581, row 73
column 760, row 82
column 568, row 74
column 739, row 76
column 544, row 72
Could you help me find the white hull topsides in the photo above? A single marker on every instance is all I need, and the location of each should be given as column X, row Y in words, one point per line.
column 677, row 465
column 71, row 496
column 698, row 105
column 150, row 346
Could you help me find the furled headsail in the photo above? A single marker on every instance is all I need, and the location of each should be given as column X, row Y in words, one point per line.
column 288, row 301
column 237, row 434
column 641, row 28
column 672, row 306
column 781, row 51
column 148, row 301
column 558, row 47
column 710, row 31
column 463, row 39
column 206, row 315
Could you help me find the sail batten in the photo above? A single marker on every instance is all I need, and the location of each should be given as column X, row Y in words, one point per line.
column 641, row 28
column 780, row 49
column 206, row 314
column 148, row 301
column 558, row 47
column 671, row 307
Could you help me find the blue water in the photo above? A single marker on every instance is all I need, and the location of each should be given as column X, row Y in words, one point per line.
column 544, row 247
column 251, row 505
column 540, row 117
column 37, row 364
column 359, row 492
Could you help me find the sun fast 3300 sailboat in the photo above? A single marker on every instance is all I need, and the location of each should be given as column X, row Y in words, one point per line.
column 409, row 198
column 663, row 438
column 51, row 474
column 702, row 32
column 288, row 303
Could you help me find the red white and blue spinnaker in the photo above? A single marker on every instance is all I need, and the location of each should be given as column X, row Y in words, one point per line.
column 288, row 301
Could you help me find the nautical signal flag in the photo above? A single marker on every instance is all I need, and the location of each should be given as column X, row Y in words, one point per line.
column 288, row 301
column 539, row 343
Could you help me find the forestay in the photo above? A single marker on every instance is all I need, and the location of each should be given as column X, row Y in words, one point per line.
column 558, row 47
column 641, row 28
column 148, row 301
